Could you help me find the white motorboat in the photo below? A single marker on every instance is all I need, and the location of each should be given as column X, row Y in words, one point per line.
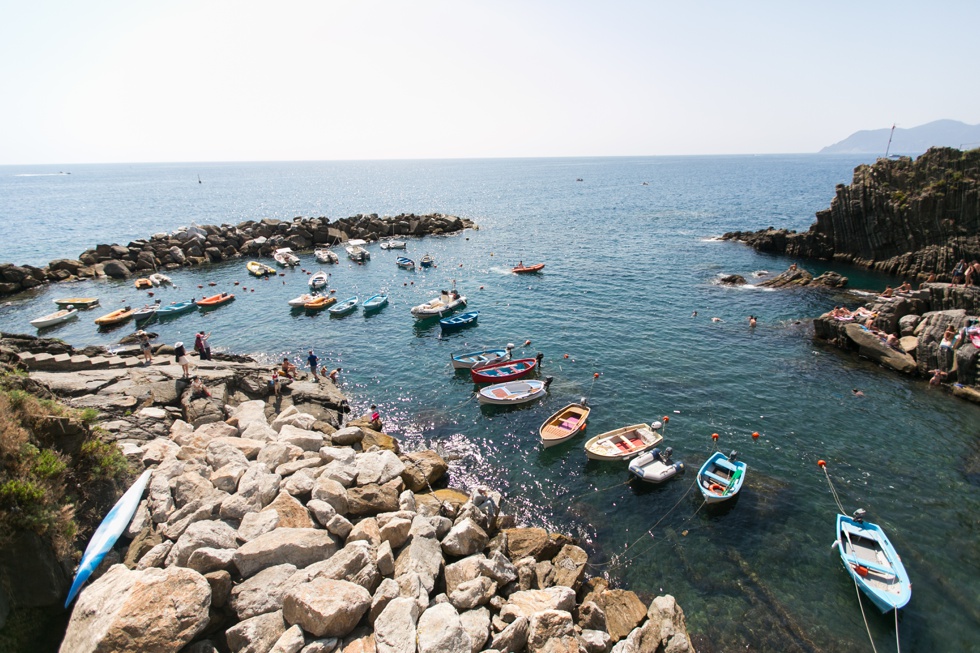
column 513, row 393
column 285, row 257
column 319, row 280
column 443, row 305
column 303, row 299
column 394, row 244
column 655, row 466
column 158, row 279
column 324, row 255
column 64, row 315
column 625, row 442
column 355, row 250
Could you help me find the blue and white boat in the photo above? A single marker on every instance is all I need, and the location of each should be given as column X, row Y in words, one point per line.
column 405, row 263
column 469, row 359
column 375, row 302
column 177, row 308
column 427, row 261
column 872, row 562
column 344, row 307
column 459, row 321
column 108, row 532
column 318, row 281
column 720, row 477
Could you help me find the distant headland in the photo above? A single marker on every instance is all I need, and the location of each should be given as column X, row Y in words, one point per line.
column 914, row 140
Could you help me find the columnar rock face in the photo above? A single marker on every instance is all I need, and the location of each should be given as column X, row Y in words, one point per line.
column 256, row 545
column 903, row 217
column 193, row 246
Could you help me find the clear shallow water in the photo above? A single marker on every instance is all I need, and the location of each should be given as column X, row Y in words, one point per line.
column 626, row 266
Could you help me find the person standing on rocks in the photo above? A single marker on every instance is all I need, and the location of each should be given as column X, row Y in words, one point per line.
column 180, row 355
column 312, row 360
column 145, row 346
column 201, row 345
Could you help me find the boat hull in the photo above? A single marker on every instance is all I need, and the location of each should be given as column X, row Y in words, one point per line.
column 459, row 322
column 650, row 468
column 257, row 269
column 215, row 300
column 468, row 360
column 175, row 309
column 77, row 302
column 58, row 317
column 375, row 303
column 438, row 308
column 527, row 269
column 344, row 307
column 720, row 479
column 115, row 317
column 512, row 393
column 564, row 425
column 869, row 557
column 622, row 443
column 320, row 303
column 503, row 371
column 318, row 281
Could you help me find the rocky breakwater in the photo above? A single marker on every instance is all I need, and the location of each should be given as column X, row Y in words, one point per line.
column 276, row 524
column 909, row 218
column 207, row 244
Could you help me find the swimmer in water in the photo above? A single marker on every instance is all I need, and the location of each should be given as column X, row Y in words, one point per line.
column 717, row 319
column 694, row 314
column 752, row 320
column 857, row 393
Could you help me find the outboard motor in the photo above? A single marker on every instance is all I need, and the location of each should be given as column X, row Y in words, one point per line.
column 584, row 401
column 859, row 515
column 539, row 358
column 548, row 380
column 732, row 456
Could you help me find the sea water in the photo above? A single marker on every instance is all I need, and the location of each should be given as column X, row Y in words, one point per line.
column 631, row 253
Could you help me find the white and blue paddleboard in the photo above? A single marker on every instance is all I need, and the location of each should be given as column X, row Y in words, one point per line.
column 108, row 532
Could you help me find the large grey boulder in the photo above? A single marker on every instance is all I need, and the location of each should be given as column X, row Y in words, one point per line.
column 476, row 623
column 262, row 592
column 200, row 534
column 395, row 627
column 326, row 608
column 378, row 467
column 150, row 611
column 441, row 631
column 422, row 556
column 256, row 635
column 297, row 546
column 465, row 538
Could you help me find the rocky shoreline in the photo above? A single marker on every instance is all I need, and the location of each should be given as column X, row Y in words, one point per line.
column 208, row 244
column 277, row 523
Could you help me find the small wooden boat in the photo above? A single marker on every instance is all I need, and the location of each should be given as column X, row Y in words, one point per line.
column 319, row 303
column 216, row 300
column 77, row 302
column 303, row 299
column 355, row 250
column 375, row 303
column 158, row 279
column 625, row 442
column 459, row 321
column 442, row 305
column 508, row 370
column 873, row 563
column 344, row 307
column 58, row 317
column 405, row 263
column 285, row 257
column 466, row 360
column 324, row 255
column 394, row 244
column 720, row 477
column 259, row 269
column 115, row 317
column 177, row 308
column 148, row 311
column 318, row 280
column 655, row 466
column 564, row 425
column 524, row 269
column 513, row 393
column 108, row 532
column 426, row 261
column 143, row 284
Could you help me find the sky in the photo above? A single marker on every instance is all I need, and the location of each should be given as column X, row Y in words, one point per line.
column 219, row 80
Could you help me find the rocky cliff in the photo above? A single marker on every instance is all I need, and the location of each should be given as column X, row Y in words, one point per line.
column 905, row 217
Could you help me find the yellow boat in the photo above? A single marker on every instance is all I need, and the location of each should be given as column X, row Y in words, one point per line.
column 143, row 283
column 320, row 303
column 115, row 317
column 259, row 269
column 78, row 302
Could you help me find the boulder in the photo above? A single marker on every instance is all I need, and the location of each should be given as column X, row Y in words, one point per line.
column 665, row 628
column 296, row 546
column 139, row 611
column 200, row 534
column 872, row 347
column 465, row 538
column 525, row 603
column 395, row 626
column 262, row 592
column 292, row 513
column 569, row 566
column 534, row 542
column 372, row 499
column 624, row 611
column 325, row 607
column 290, row 641
column 476, row 623
column 256, row 635
column 513, row 638
column 441, row 631
column 378, row 467
column 473, row 593
column 255, row 524
column 551, row 630
column 423, row 556
column 422, row 469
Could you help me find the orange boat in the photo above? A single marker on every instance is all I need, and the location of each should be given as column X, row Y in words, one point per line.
column 143, row 283
column 320, row 303
column 115, row 317
column 215, row 300
column 524, row 269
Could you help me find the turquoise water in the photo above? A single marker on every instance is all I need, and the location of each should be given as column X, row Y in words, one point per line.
column 626, row 265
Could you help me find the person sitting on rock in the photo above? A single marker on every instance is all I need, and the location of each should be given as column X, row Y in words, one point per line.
column 938, row 376
column 905, row 287
column 958, row 273
column 892, row 341
column 930, row 279
column 888, row 292
column 375, row 418
column 198, row 389
column 288, row 369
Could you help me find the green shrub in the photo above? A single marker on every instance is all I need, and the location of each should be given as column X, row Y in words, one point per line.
column 100, row 460
column 88, row 416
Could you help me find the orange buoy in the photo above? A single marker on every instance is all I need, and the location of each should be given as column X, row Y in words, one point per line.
column 666, row 419
column 211, row 283
column 481, row 287
column 566, row 355
column 755, row 434
column 236, row 283
column 199, row 286
column 821, row 463
column 595, row 376
column 714, row 436
column 527, row 342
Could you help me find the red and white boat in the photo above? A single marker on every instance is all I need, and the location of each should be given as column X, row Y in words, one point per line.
column 508, row 370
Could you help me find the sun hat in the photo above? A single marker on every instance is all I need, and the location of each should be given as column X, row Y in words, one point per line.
column 179, row 344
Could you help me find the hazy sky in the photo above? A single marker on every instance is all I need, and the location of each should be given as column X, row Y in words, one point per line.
column 217, row 80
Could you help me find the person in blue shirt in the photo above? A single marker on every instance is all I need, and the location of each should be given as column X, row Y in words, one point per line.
column 312, row 360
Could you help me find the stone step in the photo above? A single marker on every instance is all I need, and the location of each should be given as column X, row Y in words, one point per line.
column 42, row 358
column 26, row 357
column 80, row 361
column 98, row 363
